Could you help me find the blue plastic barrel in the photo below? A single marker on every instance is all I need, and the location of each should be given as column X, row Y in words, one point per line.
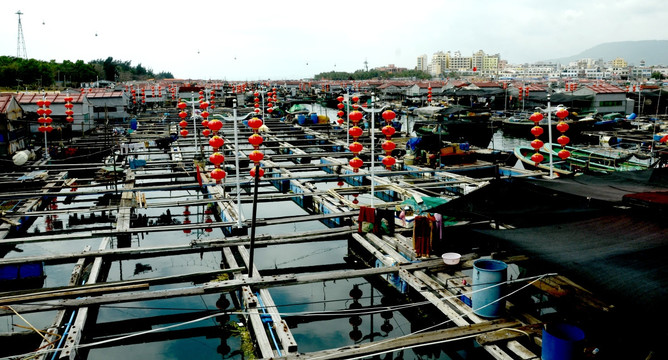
column 314, row 118
column 301, row 119
column 562, row 342
column 486, row 274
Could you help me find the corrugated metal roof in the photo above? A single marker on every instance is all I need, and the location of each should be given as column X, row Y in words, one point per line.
column 4, row 102
column 59, row 98
column 604, row 88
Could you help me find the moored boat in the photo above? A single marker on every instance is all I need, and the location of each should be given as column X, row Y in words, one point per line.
column 560, row 167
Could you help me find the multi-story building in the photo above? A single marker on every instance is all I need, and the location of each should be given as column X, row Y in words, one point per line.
column 619, row 63
column 460, row 63
column 422, row 64
column 439, row 62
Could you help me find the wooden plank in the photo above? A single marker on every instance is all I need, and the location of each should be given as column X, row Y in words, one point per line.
column 52, row 333
column 60, row 301
column 409, row 341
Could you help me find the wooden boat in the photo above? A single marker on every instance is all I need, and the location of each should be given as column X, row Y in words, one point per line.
column 520, row 126
column 589, row 159
column 560, row 168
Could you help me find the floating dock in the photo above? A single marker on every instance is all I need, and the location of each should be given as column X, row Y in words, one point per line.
column 98, row 228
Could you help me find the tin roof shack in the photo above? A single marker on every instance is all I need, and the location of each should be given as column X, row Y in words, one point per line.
column 83, row 111
column 13, row 131
column 112, row 104
column 607, row 98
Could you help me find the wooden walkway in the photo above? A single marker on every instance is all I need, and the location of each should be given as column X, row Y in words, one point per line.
column 74, row 305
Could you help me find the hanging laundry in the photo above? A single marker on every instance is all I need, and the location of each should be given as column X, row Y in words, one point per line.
column 439, row 226
column 367, row 219
column 385, row 218
column 422, row 236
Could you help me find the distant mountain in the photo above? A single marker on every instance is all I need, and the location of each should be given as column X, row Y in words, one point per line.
column 654, row 52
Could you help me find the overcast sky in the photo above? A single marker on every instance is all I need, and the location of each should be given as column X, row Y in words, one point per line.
column 258, row 39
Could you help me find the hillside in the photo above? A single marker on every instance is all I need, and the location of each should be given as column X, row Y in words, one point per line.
column 654, row 52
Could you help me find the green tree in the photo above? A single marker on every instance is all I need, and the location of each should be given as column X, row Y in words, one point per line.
column 657, row 75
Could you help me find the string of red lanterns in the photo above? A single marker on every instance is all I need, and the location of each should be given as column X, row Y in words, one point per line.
column 537, row 131
column 256, row 140
column 429, row 95
column 69, row 113
column 340, row 113
column 183, row 114
column 45, row 119
column 388, row 144
column 355, row 132
column 562, row 127
column 216, row 142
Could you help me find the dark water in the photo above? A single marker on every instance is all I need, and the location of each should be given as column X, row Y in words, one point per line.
column 208, row 337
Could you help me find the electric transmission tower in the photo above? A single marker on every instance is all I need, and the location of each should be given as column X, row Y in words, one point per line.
column 20, row 42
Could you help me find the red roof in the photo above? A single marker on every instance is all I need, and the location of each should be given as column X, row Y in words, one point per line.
column 32, row 98
column 605, row 88
column 4, row 102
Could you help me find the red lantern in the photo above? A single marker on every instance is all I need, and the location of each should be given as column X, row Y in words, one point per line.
column 356, row 163
column 388, row 161
column 255, row 140
column 562, row 126
column 388, row 146
column 256, row 156
column 206, row 132
column 69, row 112
column 254, row 123
column 339, row 121
column 537, row 144
column 340, row 98
column 355, row 99
column 536, row 117
column 355, row 147
column 69, row 119
column 183, row 124
column 184, row 132
column 355, row 116
column 183, row 114
column 205, row 114
column 340, row 113
column 389, row 115
column 475, row 69
column 537, row 158
column 40, row 111
column 40, row 102
column 48, row 111
column 355, row 132
column 340, row 106
column 181, row 105
column 216, row 141
column 216, row 158
column 537, row 131
column 205, row 123
column 203, row 105
column 563, row 140
column 69, row 106
column 388, row 130
column 562, row 113
column 218, row 174
column 563, row 154
column 252, row 172
column 215, row 125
